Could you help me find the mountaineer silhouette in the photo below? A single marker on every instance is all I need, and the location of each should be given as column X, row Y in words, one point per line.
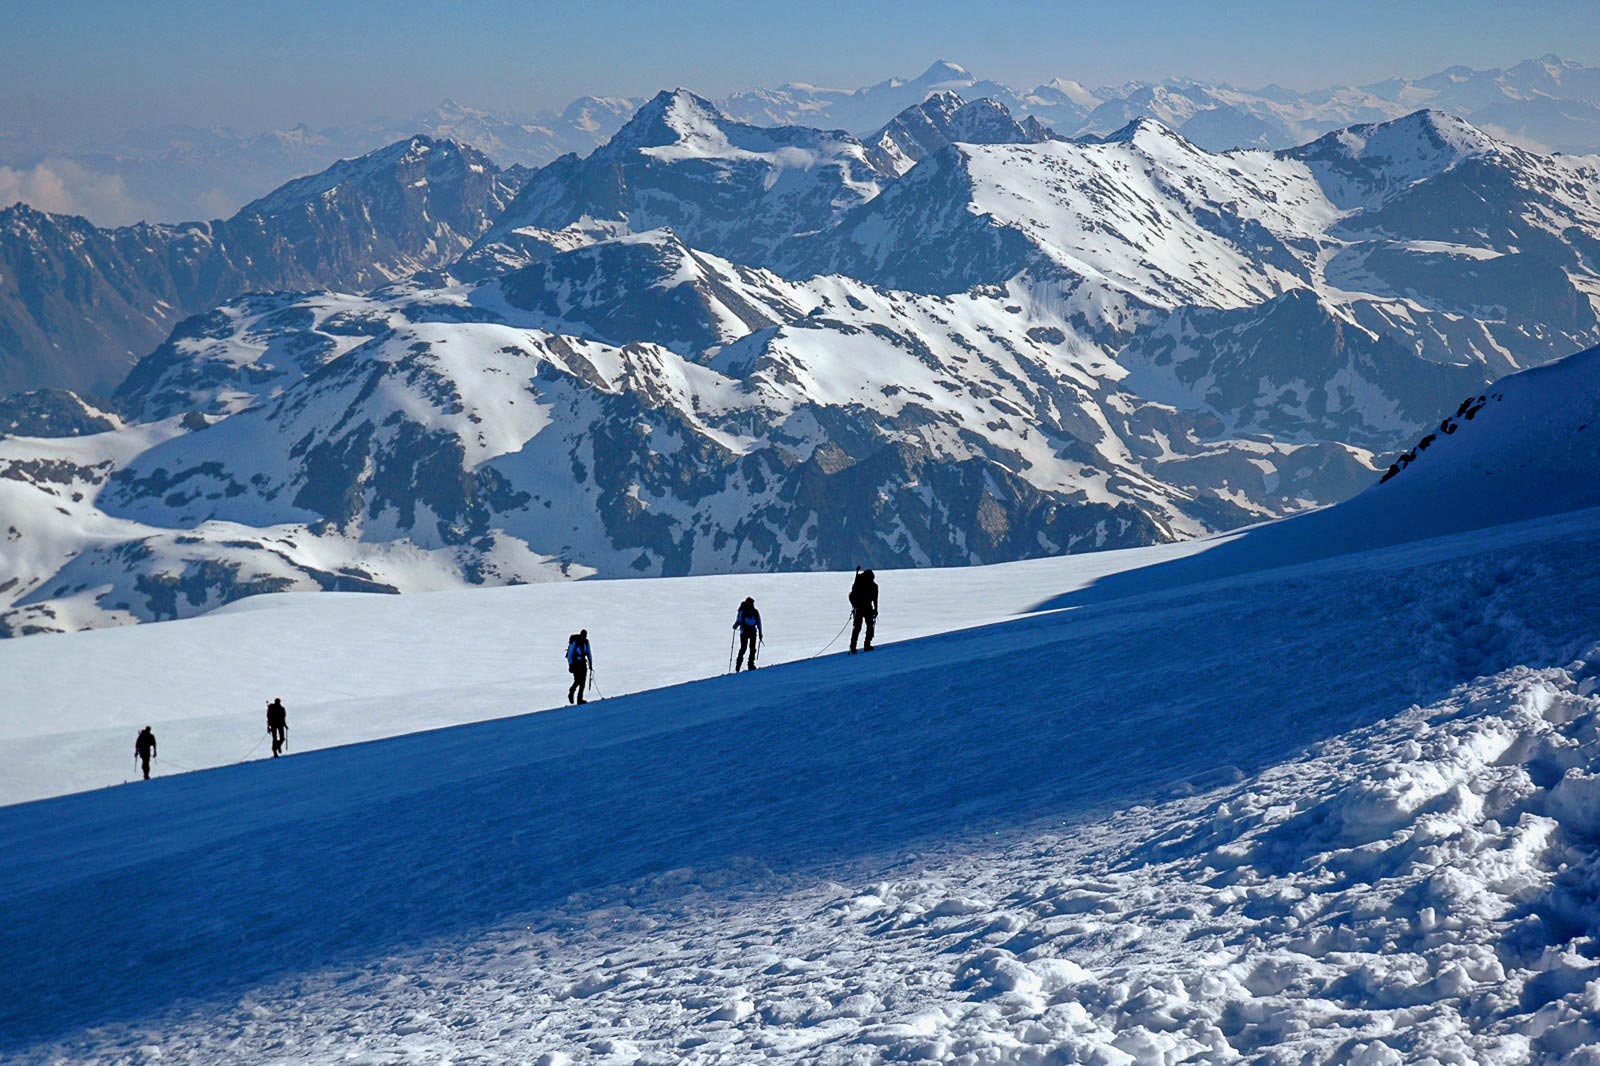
column 278, row 726
column 863, row 608
column 748, row 623
column 144, row 747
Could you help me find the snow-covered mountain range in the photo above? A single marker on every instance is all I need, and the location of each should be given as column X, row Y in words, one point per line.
column 711, row 346
column 79, row 304
column 169, row 173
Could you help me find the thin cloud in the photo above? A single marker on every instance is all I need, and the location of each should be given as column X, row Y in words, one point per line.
column 63, row 186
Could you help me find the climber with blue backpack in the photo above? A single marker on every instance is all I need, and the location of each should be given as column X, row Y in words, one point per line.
column 748, row 623
column 579, row 662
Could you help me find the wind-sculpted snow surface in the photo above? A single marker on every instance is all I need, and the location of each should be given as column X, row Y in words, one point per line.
column 1354, row 820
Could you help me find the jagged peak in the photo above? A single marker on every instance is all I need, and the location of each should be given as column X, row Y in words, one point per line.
column 437, row 150
column 937, row 107
column 666, row 118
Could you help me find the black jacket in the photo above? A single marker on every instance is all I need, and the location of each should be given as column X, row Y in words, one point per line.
column 864, row 594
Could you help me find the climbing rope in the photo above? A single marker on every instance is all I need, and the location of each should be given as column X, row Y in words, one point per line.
column 179, row 766
column 850, row 618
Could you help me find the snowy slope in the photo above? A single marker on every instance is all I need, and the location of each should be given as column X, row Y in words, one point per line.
column 496, row 651
column 1525, row 448
column 1337, row 810
column 347, row 665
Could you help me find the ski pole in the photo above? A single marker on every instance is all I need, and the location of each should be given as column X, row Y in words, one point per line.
column 731, row 638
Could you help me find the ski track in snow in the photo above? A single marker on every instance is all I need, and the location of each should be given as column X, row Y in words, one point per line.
column 1332, row 812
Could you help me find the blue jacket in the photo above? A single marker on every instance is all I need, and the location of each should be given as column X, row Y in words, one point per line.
column 750, row 619
column 578, row 650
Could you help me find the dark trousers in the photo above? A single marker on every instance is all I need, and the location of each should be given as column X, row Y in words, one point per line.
column 747, row 639
column 870, row 618
column 144, row 761
column 580, row 674
column 280, row 733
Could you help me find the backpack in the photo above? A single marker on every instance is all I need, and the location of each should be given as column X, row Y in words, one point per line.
column 861, row 591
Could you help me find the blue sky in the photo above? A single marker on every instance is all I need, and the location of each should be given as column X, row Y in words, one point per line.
column 260, row 65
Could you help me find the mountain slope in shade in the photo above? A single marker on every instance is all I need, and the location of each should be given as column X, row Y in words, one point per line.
column 1524, row 448
column 79, row 304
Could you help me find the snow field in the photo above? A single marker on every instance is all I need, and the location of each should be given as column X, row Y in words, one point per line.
column 354, row 667
column 1346, row 792
column 1421, row 890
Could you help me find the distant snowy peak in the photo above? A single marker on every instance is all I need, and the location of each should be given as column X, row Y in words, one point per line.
column 731, row 188
column 864, row 109
column 672, row 116
column 415, row 161
column 1141, row 214
column 1146, row 133
column 598, row 116
column 1362, row 163
column 1064, row 91
column 945, row 118
column 944, row 72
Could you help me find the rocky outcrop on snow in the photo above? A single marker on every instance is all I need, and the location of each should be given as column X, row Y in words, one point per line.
column 53, row 413
column 945, row 118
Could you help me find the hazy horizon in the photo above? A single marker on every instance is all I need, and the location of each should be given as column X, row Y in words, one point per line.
column 91, row 69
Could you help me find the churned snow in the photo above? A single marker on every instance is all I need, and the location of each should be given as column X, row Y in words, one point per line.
column 1338, row 810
